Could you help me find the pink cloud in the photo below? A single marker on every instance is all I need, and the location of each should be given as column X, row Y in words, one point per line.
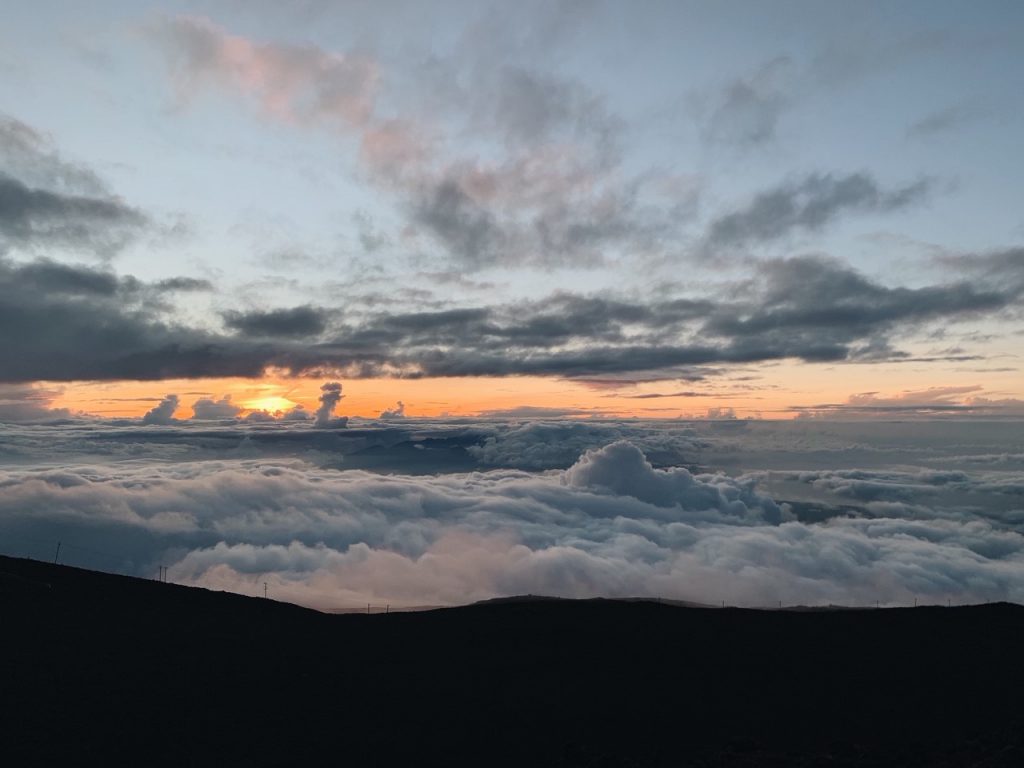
column 293, row 83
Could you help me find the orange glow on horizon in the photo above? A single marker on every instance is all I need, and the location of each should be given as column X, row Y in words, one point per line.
column 769, row 391
column 271, row 404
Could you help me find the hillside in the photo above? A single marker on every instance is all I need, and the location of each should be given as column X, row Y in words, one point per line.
column 111, row 670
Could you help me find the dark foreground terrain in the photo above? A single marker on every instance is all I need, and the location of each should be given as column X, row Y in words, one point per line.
column 108, row 670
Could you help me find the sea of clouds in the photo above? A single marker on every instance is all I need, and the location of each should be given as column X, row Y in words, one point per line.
column 410, row 512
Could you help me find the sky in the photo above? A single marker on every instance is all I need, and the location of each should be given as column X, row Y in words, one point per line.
column 504, row 262
column 474, row 207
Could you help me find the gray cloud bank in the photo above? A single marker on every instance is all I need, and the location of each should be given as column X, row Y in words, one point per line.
column 47, row 202
column 70, row 322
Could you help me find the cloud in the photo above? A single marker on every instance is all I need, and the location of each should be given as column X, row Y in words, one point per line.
column 944, row 120
column 535, row 412
column 35, row 218
column 398, row 412
column 551, row 444
column 491, row 164
column 303, row 322
column 297, row 413
column 29, row 403
column 208, row 409
column 295, row 83
column 609, row 525
column 930, row 403
column 48, row 202
column 721, row 413
column 622, row 469
column 30, row 156
column 825, row 308
column 330, row 396
column 747, row 111
column 809, row 205
column 183, row 284
column 71, row 322
column 162, row 413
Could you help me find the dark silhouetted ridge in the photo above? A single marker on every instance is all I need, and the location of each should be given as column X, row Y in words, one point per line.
column 110, row 670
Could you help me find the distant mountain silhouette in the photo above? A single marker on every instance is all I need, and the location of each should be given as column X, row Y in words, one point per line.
column 109, row 670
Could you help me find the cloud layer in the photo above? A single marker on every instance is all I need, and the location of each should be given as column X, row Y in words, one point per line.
column 74, row 322
column 226, row 513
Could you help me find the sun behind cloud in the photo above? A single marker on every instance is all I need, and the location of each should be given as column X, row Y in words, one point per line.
column 269, row 404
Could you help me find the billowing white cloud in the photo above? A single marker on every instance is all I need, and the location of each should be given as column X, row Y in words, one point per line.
column 329, row 398
column 611, row 524
column 163, row 412
column 398, row 412
column 208, row 409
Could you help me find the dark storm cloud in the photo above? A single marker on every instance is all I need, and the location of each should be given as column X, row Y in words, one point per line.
column 301, row 322
column 32, row 217
column 809, row 205
column 71, row 322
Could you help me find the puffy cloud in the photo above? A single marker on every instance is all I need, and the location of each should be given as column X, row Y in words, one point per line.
column 163, row 412
column 610, row 525
column 208, row 409
column 623, row 469
column 330, row 396
column 558, row 444
column 398, row 412
column 28, row 403
column 721, row 413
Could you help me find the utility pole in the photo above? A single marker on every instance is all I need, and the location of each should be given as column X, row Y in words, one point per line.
column 264, row 590
column 56, row 556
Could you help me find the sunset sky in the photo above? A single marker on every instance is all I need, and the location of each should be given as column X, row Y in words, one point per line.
column 417, row 303
column 650, row 209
